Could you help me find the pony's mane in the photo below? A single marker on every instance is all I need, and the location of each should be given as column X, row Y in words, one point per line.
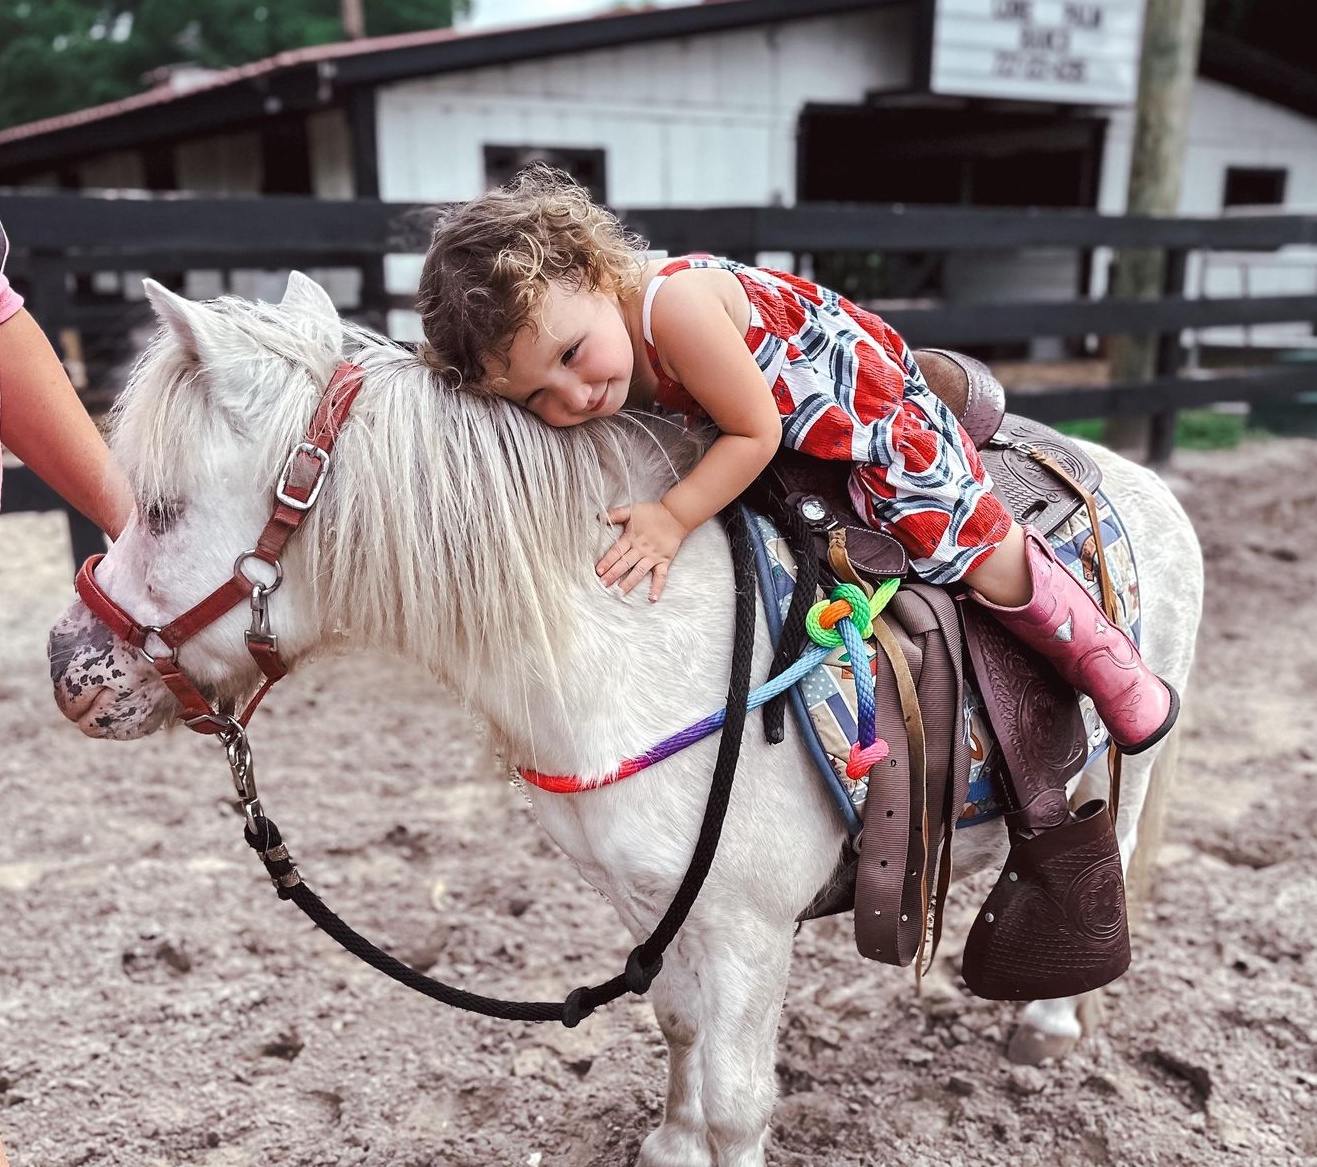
column 434, row 492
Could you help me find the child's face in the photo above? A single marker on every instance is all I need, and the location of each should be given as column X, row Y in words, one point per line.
column 574, row 363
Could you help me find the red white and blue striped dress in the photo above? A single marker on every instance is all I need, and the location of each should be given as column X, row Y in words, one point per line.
column 848, row 389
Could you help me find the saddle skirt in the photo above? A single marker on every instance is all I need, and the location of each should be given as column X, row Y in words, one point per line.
column 827, row 695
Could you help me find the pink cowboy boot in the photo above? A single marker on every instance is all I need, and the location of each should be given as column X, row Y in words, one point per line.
column 1064, row 624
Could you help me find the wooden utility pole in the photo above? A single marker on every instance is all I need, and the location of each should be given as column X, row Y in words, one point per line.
column 354, row 19
column 1172, row 31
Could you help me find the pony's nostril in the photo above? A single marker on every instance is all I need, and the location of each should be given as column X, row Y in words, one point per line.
column 76, row 700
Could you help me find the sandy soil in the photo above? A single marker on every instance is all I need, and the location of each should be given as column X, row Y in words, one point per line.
column 159, row 1006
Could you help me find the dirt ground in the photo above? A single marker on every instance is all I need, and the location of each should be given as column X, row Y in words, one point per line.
column 159, row 1006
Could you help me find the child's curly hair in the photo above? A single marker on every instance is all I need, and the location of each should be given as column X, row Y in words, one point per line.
column 492, row 259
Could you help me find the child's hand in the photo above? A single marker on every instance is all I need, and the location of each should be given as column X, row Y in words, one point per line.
column 648, row 544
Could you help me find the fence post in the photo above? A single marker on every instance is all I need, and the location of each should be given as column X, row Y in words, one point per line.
column 1169, row 360
column 48, row 296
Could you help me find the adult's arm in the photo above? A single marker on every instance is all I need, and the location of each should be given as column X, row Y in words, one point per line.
column 43, row 422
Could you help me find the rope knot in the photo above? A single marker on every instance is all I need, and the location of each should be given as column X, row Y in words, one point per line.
column 848, row 601
column 575, row 1008
column 864, row 757
column 640, row 976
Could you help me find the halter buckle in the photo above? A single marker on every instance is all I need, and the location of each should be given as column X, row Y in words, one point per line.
column 281, row 489
column 149, row 630
column 226, row 726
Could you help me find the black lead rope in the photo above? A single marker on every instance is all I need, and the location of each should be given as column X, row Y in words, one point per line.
column 646, row 959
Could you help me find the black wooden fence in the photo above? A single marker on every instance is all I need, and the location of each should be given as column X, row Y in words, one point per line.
column 60, row 243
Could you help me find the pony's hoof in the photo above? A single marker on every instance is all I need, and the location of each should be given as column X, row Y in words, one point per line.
column 1031, row 1047
column 670, row 1146
column 1050, row 1030
column 1089, row 1011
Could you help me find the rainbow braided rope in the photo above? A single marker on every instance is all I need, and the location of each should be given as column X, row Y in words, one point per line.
column 829, row 624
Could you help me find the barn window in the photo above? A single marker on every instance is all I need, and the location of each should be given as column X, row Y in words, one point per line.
column 1254, row 187
column 584, row 165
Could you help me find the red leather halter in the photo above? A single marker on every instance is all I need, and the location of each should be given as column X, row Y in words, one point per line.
column 297, row 490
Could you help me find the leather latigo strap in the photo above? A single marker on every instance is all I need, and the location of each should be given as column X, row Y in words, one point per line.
column 891, row 846
column 1041, row 476
column 916, row 793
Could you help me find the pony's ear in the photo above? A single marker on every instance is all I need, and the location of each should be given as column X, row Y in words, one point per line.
column 210, row 342
column 309, row 303
column 179, row 314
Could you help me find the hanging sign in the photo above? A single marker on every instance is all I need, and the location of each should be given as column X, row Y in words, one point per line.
column 1083, row 51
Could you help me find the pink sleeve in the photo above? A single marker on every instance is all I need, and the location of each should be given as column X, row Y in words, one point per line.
column 10, row 300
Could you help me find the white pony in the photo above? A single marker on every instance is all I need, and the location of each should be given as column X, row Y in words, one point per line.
column 462, row 532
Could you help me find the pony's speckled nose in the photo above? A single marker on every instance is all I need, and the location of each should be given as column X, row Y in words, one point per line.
column 60, row 647
column 78, row 635
column 101, row 684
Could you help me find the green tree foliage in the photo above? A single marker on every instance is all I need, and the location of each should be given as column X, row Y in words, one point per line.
column 62, row 55
column 1273, row 26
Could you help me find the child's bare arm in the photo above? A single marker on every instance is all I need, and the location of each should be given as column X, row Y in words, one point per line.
column 43, row 422
column 700, row 342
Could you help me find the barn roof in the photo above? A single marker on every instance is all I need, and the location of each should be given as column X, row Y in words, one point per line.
column 308, row 78
column 1241, row 66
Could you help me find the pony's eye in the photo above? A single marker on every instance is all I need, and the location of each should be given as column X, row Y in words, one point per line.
column 162, row 514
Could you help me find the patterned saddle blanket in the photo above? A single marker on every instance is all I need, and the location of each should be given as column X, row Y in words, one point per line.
column 824, row 702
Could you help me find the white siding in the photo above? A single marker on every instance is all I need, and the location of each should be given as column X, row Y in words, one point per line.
column 329, row 143
column 1230, row 128
column 707, row 120
column 119, row 171
column 223, row 164
column 1226, row 128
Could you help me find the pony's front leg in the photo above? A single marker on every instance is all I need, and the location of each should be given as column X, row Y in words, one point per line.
column 683, row 1138
column 744, row 991
column 743, row 984
column 721, row 1025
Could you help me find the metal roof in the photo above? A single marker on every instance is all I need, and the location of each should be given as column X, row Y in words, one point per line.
column 1241, row 66
column 309, row 78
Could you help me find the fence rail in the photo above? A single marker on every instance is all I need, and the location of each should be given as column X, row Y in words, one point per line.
column 61, row 242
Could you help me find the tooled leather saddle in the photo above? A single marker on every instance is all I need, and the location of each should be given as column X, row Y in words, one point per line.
column 1055, row 924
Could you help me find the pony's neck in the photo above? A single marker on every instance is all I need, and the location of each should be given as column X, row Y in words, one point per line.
column 462, row 532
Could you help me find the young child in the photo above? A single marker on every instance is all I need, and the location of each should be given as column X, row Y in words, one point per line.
column 533, row 293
